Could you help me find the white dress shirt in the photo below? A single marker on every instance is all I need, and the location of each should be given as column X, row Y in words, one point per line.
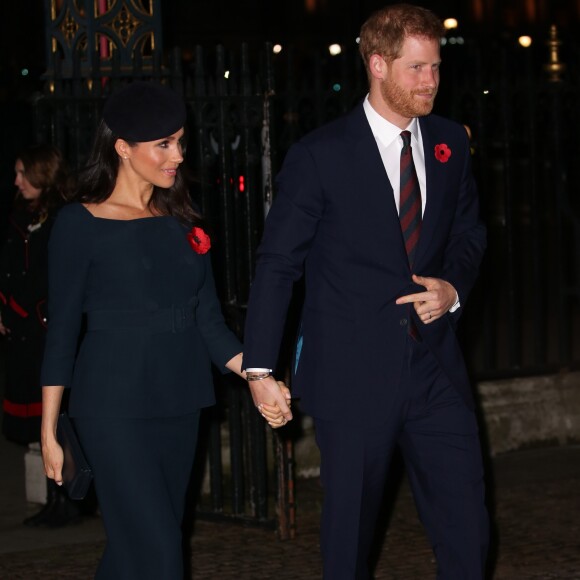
column 390, row 143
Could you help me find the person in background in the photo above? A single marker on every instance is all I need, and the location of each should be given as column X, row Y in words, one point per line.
column 379, row 211
column 131, row 256
column 41, row 181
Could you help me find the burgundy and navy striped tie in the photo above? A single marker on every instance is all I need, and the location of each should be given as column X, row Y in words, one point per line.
column 410, row 210
column 410, row 199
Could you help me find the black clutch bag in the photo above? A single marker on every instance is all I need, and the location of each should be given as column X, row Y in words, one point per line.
column 76, row 472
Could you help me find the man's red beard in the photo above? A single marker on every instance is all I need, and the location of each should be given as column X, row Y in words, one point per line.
column 404, row 102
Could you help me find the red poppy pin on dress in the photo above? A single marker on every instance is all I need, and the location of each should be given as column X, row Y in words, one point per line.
column 199, row 240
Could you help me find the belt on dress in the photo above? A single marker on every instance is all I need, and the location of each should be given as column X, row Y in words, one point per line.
column 171, row 319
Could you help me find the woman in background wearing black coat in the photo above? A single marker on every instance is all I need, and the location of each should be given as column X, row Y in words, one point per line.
column 131, row 256
column 41, row 179
column 23, row 286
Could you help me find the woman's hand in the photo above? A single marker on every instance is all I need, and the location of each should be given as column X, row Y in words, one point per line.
column 53, row 457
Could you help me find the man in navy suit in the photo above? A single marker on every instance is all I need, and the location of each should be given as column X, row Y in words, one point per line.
column 378, row 364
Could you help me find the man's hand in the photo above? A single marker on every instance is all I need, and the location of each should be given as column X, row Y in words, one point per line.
column 432, row 304
column 274, row 394
column 273, row 414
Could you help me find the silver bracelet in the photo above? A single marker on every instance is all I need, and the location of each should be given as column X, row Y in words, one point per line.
column 259, row 377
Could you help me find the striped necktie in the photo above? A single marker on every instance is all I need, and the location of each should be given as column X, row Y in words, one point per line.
column 410, row 199
column 410, row 211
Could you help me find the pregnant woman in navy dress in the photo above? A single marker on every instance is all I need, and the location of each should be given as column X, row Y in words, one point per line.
column 130, row 260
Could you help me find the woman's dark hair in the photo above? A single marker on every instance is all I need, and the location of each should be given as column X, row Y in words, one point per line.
column 45, row 169
column 97, row 181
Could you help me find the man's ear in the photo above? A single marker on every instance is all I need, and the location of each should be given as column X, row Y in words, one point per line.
column 378, row 66
column 122, row 148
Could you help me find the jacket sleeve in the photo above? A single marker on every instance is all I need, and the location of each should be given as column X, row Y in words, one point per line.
column 69, row 255
column 288, row 234
column 220, row 341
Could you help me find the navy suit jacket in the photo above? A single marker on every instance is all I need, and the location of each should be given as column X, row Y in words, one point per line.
column 334, row 220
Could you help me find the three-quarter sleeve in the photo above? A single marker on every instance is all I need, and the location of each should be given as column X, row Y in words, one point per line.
column 69, row 253
column 220, row 341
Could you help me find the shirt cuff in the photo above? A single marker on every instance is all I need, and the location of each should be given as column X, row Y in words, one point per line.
column 457, row 304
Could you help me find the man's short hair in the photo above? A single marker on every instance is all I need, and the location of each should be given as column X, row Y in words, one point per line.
column 385, row 31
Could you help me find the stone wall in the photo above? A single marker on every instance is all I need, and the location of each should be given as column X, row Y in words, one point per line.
column 529, row 412
column 514, row 414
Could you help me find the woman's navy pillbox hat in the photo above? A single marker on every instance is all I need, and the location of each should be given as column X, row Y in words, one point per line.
column 144, row 111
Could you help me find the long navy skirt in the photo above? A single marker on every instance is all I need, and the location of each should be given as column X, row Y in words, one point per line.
column 142, row 469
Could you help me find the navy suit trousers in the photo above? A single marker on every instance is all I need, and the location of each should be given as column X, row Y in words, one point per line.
column 438, row 438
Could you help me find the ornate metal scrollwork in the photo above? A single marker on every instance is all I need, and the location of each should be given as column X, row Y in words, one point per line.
column 98, row 38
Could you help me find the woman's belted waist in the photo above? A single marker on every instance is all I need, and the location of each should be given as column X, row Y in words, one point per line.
column 174, row 318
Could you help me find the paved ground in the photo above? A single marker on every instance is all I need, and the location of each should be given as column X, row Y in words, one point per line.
column 536, row 498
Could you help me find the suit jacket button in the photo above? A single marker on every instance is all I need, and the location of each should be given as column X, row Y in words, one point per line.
column 403, row 322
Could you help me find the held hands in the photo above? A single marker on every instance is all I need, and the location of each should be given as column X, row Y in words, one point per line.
column 439, row 297
column 272, row 399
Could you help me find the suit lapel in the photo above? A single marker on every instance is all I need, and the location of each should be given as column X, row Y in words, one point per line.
column 434, row 195
column 373, row 176
column 369, row 166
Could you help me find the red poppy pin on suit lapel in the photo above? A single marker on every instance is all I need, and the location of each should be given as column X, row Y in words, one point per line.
column 442, row 153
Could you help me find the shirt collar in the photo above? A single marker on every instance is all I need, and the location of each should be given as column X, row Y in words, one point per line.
column 384, row 130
